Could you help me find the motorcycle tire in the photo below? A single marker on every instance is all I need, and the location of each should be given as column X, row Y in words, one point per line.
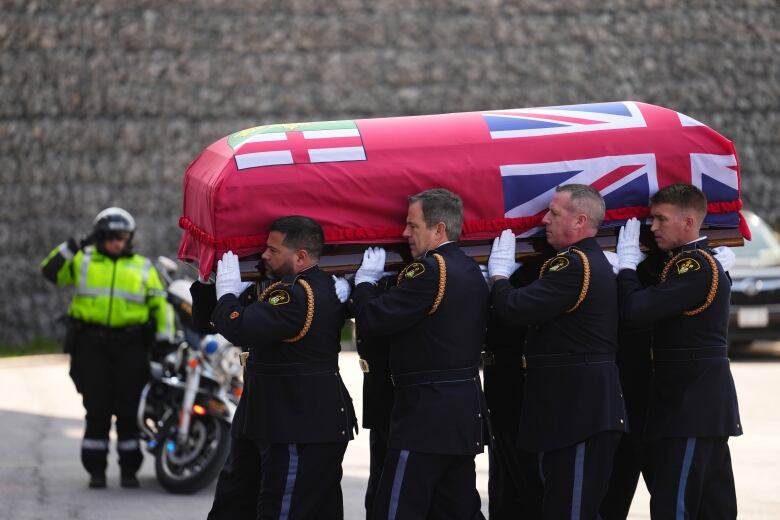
column 183, row 470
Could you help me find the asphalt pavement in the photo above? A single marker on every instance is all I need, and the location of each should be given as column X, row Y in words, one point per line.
column 41, row 478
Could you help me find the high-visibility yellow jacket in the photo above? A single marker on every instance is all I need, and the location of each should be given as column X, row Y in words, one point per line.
column 111, row 293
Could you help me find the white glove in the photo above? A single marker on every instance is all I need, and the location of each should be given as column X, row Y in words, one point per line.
column 373, row 266
column 502, row 255
column 725, row 257
column 342, row 288
column 612, row 258
column 628, row 252
column 484, row 270
column 229, row 276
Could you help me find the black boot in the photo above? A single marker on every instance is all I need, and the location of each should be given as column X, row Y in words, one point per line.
column 97, row 481
column 129, row 481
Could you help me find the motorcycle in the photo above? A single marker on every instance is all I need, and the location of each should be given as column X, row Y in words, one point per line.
column 186, row 409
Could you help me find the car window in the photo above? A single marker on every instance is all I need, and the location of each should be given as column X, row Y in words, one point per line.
column 763, row 250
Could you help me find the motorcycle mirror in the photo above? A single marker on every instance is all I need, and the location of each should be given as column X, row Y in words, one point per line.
column 167, row 264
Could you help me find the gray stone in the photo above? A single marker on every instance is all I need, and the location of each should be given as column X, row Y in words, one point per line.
column 106, row 102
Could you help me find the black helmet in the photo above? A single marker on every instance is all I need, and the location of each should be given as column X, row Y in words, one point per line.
column 112, row 221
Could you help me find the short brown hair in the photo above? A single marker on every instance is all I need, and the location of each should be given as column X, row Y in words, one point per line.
column 684, row 196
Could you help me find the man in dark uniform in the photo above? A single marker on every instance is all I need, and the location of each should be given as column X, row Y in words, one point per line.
column 632, row 457
column 294, row 419
column 435, row 318
column 693, row 403
column 514, row 487
column 573, row 413
column 378, row 392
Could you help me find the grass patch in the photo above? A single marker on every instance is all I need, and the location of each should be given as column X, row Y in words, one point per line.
column 34, row 346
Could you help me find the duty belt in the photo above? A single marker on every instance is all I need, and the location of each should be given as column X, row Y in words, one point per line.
column 435, row 376
column 688, row 353
column 562, row 360
column 291, row 369
column 490, row 357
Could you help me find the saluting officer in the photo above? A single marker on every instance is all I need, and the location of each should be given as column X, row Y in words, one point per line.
column 294, row 419
column 572, row 413
column 117, row 294
column 435, row 318
column 693, row 402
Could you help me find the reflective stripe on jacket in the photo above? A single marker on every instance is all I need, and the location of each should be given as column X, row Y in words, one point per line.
column 113, row 293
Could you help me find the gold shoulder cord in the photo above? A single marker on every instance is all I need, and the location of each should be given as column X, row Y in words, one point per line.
column 442, row 282
column 585, row 277
column 713, row 287
column 309, row 307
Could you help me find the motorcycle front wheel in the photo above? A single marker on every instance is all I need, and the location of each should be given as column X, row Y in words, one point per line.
column 186, row 468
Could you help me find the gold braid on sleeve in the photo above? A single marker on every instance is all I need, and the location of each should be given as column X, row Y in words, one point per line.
column 442, row 283
column 713, row 285
column 585, row 276
column 309, row 307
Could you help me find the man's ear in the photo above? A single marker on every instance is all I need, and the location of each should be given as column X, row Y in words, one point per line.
column 582, row 220
column 301, row 256
column 441, row 229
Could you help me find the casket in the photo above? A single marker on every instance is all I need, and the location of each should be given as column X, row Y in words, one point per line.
column 354, row 177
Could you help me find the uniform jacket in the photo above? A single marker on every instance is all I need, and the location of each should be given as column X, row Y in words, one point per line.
column 693, row 395
column 293, row 392
column 578, row 396
column 377, row 384
column 503, row 366
column 446, row 417
column 112, row 293
column 634, row 346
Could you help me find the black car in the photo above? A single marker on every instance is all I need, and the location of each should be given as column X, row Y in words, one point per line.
column 755, row 291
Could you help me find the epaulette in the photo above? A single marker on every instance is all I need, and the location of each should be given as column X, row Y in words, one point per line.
column 687, row 265
column 415, row 269
column 560, row 262
column 280, row 293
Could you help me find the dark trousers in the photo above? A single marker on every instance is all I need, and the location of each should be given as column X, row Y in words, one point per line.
column 377, row 453
column 110, row 369
column 280, row 481
column 575, row 478
column 514, row 487
column 631, row 458
column 427, row 486
column 693, row 479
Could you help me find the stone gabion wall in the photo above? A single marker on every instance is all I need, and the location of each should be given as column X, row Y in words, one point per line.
column 105, row 102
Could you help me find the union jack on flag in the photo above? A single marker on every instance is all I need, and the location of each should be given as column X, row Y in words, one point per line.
column 640, row 161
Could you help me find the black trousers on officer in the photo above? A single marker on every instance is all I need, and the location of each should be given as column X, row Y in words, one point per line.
column 514, row 487
column 575, row 478
column 110, row 369
column 693, row 479
column 631, row 458
column 377, row 453
column 280, row 481
column 427, row 486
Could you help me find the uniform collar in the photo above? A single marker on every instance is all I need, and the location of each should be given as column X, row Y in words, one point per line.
column 584, row 244
column 445, row 246
column 699, row 243
column 291, row 278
